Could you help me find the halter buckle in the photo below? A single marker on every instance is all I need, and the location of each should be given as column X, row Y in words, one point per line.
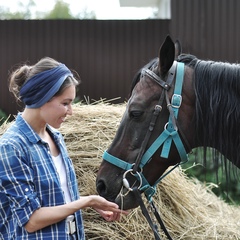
column 176, row 100
column 158, row 108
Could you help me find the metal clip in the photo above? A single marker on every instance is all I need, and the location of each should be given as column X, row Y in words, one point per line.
column 126, row 183
column 71, row 225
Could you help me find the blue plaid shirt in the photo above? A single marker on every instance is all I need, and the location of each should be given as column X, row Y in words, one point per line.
column 29, row 180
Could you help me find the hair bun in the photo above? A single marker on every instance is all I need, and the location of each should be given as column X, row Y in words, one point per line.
column 18, row 78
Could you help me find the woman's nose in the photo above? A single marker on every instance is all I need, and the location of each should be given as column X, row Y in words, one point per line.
column 69, row 110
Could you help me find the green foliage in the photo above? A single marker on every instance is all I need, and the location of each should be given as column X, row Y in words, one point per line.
column 3, row 117
column 227, row 179
column 85, row 14
column 23, row 13
column 61, row 10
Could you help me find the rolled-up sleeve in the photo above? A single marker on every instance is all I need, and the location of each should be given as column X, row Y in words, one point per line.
column 17, row 183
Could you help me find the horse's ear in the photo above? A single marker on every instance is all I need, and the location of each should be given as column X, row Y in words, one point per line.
column 178, row 49
column 166, row 55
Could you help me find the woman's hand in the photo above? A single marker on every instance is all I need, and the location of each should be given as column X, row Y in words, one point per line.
column 110, row 216
column 46, row 216
column 108, row 210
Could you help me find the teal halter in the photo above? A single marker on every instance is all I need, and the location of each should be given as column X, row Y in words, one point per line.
column 165, row 139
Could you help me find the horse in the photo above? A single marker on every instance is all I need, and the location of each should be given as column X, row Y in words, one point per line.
column 177, row 103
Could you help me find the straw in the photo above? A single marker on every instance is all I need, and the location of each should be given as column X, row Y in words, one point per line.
column 189, row 208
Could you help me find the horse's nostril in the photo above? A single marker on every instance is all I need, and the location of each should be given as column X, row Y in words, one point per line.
column 101, row 187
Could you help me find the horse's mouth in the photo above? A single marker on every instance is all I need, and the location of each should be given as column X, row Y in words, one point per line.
column 126, row 200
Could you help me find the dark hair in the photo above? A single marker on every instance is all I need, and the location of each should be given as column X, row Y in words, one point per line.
column 25, row 72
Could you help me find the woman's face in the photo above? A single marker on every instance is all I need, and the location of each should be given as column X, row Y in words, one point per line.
column 55, row 111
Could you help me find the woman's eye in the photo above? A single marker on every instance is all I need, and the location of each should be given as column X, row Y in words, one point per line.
column 136, row 114
column 66, row 104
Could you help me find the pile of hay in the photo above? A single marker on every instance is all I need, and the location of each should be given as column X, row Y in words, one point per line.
column 188, row 208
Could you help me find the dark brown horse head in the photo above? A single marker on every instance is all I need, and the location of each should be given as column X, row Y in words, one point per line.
column 177, row 103
column 130, row 143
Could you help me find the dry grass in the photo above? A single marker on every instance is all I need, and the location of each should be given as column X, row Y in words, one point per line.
column 188, row 208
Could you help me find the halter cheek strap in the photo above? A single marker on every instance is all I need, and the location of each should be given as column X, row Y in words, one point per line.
column 173, row 109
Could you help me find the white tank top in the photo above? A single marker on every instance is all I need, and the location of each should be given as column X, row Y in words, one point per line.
column 58, row 161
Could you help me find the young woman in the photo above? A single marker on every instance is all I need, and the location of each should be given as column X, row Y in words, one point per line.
column 39, row 196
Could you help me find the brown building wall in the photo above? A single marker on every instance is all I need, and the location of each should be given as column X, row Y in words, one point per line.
column 106, row 54
column 208, row 28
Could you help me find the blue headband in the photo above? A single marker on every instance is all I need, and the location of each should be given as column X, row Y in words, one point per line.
column 40, row 88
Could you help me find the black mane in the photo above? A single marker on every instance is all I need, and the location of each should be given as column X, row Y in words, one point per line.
column 217, row 117
column 217, row 89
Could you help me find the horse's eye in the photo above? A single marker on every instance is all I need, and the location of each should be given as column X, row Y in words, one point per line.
column 136, row 114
